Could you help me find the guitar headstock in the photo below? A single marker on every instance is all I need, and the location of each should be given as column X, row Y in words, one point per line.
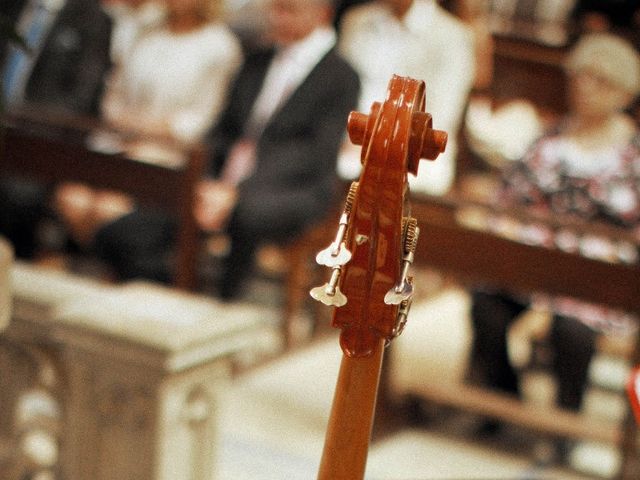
column 374, row 247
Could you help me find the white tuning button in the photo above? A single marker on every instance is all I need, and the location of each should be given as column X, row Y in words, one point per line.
column 398, row 294
column 337, row 253
column 330, row 293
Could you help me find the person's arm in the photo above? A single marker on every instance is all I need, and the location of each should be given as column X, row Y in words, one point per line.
column 237, row 108
column 622, row 201
column 208, row 94
column 525, row 181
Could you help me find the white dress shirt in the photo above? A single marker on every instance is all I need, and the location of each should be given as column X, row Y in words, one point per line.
column 427, row 44
column 288, row 69
column 181, row 78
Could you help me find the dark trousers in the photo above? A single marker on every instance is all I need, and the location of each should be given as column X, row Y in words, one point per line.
column 141, row 244
column 256, row 220
column 572, row 342
column 22, row 208
column 138, row 245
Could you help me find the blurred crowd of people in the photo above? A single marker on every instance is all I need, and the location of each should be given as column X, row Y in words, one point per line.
column 267, row 85
column 166, row 73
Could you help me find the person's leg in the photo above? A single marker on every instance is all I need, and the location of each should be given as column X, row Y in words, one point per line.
column 491, row 316
column 22, row 207
column 238, row 264
column 574, row 346
column 138, row 245
column 271, row 218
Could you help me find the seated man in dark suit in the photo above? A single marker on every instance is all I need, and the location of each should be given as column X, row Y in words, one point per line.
column 274, row 148
column 9, row 13
column 63, row 72
column 69, row 58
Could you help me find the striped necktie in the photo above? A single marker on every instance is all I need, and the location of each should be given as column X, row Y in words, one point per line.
column 280, row 81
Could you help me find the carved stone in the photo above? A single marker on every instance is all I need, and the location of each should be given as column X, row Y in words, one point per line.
column 6, row 258
column 140, row 370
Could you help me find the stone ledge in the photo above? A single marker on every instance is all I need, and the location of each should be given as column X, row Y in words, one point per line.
column 175, row 328
column 6, row 260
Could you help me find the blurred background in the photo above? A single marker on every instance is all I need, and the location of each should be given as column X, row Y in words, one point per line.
column 170, row 169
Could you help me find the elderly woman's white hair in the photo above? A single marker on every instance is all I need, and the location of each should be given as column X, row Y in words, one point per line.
column 609, row 56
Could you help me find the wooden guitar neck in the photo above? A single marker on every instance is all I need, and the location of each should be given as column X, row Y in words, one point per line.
column 346, row 445
column 370, row 285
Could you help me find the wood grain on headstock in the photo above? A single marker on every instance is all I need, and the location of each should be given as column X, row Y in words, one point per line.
column 369, row 258
column 394, row 136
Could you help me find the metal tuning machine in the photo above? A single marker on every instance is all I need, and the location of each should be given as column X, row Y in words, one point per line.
column 335, row 256
column 401, row 322
column 403, row 290
column 330, row 293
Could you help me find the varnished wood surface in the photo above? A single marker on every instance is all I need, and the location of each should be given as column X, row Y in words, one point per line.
column 52, row 150
column 344, row 456
column 395, row 135
column 526, row 70
column 545, row 419
column 482, row 258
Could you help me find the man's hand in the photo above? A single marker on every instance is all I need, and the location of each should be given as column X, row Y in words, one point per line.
column 214, row 203
column 85, row 209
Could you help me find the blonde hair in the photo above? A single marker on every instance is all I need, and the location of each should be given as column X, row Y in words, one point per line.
column 212, row 9
column 610, row 56
column 206, row 10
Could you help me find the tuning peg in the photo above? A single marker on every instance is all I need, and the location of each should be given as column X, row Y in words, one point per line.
column 403, row 290
column 401, row 322
column 334, row 255
column 325, row 295
column 337, row 253
column 330, row 293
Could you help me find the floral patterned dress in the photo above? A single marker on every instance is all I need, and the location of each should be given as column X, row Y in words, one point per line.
column 558, row 177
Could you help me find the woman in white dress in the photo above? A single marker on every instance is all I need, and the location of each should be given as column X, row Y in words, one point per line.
column 175, row 78
column 166, row 92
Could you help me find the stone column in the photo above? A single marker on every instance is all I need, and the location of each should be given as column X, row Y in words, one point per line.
column 141, row 367
column 6, row 259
